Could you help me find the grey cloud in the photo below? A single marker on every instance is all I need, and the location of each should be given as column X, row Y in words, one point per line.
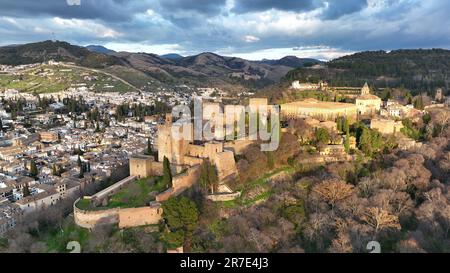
column 208, row 7
column 107, row 10
column 398, row 24
column 244, row 6
column 338, row 8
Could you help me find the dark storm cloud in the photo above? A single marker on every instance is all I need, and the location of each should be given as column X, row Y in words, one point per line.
column 214, row 25
column 244, row 6
column 107, row 10
column 333, row 9
column 338, row 8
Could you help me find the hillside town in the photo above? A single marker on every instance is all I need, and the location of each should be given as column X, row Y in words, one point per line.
column 91, row 148
column 59, row 145
column 63, row 145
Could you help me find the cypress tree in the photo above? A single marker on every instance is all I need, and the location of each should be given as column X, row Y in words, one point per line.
column 167, row 173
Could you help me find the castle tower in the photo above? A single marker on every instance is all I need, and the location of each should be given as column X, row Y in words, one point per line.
column 365, row 90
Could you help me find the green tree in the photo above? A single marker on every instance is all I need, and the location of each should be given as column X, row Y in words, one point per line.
column 347, row 136
column 370, row 141
column 322, row 137
column 209, row 179
column 426, row 118
column 167, row 173
column 409, row 130
column 181, row 214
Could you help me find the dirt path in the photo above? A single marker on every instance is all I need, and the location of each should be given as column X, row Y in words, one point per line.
column 102, row 72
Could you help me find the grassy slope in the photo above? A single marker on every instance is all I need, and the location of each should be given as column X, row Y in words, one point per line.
column 60, row 78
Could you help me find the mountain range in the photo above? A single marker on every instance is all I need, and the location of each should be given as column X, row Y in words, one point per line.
column 200, row 70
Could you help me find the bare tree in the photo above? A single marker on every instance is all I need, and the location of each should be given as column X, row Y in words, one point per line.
column 333, row 191
column 380, row 219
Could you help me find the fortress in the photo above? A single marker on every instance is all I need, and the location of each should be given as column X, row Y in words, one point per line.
column 321, row 110
column 185, row 159
column 366, row 104
column 183, row 154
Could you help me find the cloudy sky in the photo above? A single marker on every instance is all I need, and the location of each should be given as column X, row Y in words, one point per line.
column 252, row 29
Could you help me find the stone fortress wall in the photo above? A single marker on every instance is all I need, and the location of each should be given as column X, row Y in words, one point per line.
column 180, row 183
column 124, row 217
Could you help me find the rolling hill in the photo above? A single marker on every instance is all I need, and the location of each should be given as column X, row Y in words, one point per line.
column 99, row 49
column 58, row 51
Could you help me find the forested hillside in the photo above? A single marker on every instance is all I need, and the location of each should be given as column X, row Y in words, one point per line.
column 418, row 70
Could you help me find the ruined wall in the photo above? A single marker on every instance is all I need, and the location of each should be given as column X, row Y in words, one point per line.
column 185, row 180
column 180, row 183
column 90, row 219
column 126, row 218
column 223, row 197
column 134, row 217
